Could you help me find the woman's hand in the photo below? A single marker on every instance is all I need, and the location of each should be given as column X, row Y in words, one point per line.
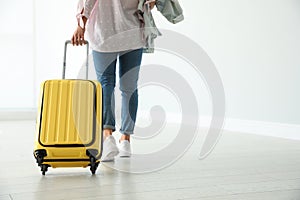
column 78, row 36
column 152, row 3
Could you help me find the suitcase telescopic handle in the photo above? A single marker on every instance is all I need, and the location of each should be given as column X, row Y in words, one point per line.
column 65, row 58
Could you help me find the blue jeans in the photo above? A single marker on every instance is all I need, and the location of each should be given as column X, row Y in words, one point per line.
column 129, row 67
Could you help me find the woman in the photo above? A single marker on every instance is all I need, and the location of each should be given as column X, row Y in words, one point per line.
column 114, row 33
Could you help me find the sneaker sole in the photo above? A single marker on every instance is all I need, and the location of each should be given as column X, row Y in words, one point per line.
column 110, row 157
column 124, row 154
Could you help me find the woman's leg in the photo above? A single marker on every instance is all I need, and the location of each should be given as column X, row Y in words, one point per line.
column 129, row 73
column 105, row 67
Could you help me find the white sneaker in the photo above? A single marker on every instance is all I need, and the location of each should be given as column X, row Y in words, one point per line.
column 125, row 148
column 110, row 149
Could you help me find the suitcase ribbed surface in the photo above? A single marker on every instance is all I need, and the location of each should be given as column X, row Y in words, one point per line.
column 67, row 112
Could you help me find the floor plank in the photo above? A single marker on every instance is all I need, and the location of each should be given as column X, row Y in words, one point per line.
column 242, row 166
column 5, row 197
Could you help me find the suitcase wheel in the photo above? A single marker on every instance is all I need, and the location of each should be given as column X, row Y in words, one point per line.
column 92, row 153
column 44, row 169
column 39, row 155
column 93, row 164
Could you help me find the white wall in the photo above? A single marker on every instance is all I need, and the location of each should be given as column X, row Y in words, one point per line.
column 254, row 45
column 16, row 54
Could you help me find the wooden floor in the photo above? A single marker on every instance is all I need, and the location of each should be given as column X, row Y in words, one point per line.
column 242, row 166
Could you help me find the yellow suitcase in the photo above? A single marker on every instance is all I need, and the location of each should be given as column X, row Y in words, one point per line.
column 69, row 123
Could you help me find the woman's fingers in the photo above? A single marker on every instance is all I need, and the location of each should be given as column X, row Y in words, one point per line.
column 81, row 40
column 151, row 3
column 78, row 37
column 73, row 40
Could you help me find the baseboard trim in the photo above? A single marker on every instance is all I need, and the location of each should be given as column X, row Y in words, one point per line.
column 20, row 114
column 273, row 129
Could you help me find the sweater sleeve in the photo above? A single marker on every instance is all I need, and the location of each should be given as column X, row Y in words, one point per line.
column 85, row 7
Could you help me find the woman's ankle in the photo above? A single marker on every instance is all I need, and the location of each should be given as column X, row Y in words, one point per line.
column 125, row 137
column 107, row 133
